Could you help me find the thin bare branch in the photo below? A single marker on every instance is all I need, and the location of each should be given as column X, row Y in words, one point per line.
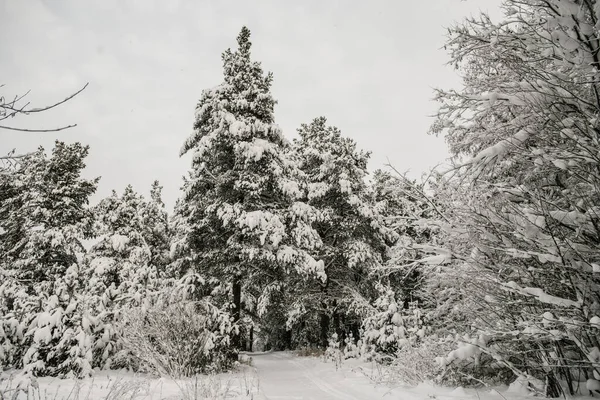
column 35, row 110
column 62, row 128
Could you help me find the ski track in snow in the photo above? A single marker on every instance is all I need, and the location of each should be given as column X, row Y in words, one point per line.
column 282, row 377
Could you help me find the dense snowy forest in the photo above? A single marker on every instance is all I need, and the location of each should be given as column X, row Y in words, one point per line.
column 484, row 272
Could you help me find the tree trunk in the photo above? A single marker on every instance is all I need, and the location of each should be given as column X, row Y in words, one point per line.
column 251, row 342
column 324, row 329
column 336, row 326
column 355, row 330
column 237, row 305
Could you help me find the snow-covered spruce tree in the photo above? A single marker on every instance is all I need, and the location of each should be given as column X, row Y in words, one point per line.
column 133, row 242
column 123, row 267
column 139, row 304
column 245, row 228
column 43, row 218
column 524, row 132
column 157, row 229
column 406, row 281
column 355, row 240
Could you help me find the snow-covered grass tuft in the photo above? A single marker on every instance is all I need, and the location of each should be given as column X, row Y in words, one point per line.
column 219, row 387
column 121, row 385
column 15, row 388
column 126, row 389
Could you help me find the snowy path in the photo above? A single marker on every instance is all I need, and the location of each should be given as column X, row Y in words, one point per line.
column 282, row 376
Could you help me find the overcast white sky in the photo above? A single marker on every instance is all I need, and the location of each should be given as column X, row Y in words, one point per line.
column 368, row 66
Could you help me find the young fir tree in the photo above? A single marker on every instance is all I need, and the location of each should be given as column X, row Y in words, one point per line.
column 157, row 229
column 355, row 240
column 123, row 267
column 179, row 252
column 126, row 225
column 43, row 219
column 245, row 225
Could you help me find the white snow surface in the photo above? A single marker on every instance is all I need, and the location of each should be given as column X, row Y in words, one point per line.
column 271, row 376
column 121, row 384
column 283, row 376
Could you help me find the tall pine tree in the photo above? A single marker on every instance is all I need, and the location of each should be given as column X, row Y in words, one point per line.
column 245, row 225
column 355, row 239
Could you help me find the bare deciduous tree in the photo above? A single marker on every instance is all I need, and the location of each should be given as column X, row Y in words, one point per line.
column 17, row 105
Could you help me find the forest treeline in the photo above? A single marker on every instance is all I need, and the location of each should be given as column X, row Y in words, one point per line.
column 485, row 272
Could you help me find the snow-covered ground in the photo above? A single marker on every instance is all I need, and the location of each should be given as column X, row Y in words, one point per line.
column 116, row 385
column 271, row 376
column 283, row 376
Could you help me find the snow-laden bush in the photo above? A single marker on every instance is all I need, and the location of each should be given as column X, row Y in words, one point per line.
column 469, row 361
column 415, row 341
column 412, row 365
column 334, row 352
column 176, row 340
column 47, row 332
column 390, row 327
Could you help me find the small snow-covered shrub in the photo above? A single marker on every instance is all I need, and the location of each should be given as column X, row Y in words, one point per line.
column 352, row 347
column 391, row 327
column 415, row 364
column 471, row 361
column 177, row 340
column 334, row 351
